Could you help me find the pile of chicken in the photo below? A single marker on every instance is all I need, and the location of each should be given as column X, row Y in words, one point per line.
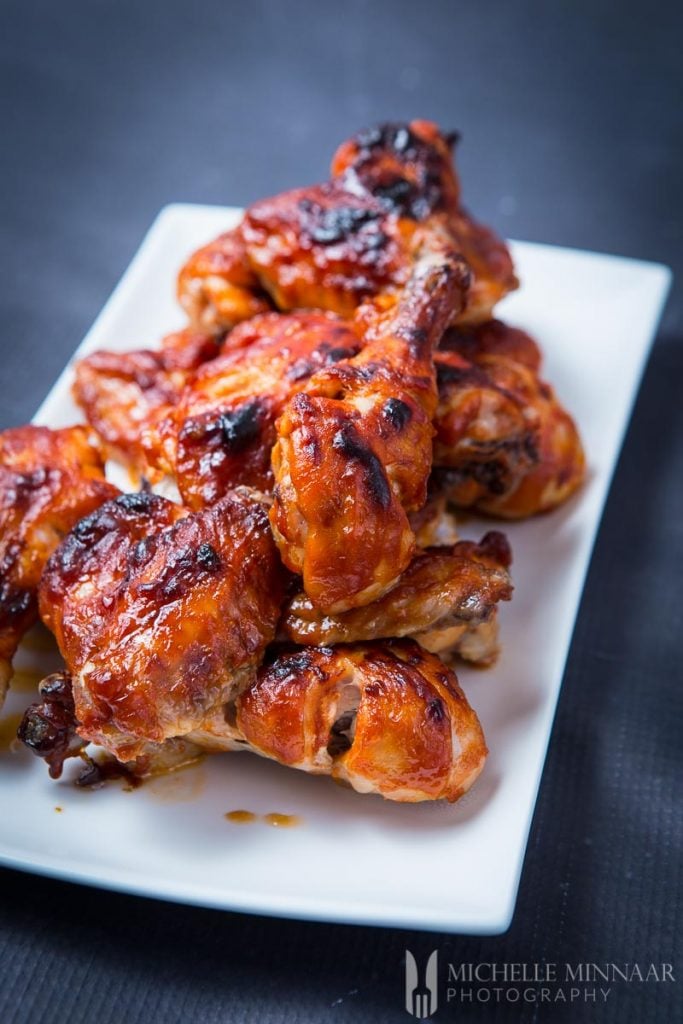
column 340, row 387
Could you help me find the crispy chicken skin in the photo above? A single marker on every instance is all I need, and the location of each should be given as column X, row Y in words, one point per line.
column 210, row 422
column 335, row 245
column 504, row 444
column 217, row 287
column 559, row 472
column 222, row 431
column 385, row 718
column 161, row 615
column 444, row 594
column 120, row 391
column 49, row 479
column 354, row 448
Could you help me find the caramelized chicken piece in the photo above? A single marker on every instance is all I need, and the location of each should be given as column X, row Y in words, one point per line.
column 120, row 391
column 323, row 247
column 354, row 448
column 504, row 445
column 442, row 597
column 49, row 479
column 217, row 287
column 409, row 168
column 560, row 470
column 335, row 245
column 486, row 429
column 50, row 729
column 222, row 431
column 161, row 615
column 493, row 339
column 385, row 718
column 49, row 726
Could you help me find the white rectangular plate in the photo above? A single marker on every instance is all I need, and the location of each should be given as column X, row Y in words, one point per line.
column 357, row 858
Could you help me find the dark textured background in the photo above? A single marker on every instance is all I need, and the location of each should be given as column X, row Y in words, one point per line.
column 571, row 135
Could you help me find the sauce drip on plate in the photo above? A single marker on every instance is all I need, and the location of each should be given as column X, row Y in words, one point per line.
column 242, row 817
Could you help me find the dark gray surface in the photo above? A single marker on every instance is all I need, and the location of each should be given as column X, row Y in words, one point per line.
column 571, row 135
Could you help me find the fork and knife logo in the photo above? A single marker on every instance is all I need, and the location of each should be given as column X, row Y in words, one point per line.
column 422, row 993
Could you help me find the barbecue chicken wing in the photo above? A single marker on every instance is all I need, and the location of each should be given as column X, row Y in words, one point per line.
column 487, row 431
column 161, row 615
column 446, row 600
column 222, row 431
column 335, row 245
column 217, row 287
column 504, row 444
column 49, row 479
column 410, row 169
column 354, row 448
column 385, row 718
column 120, row 392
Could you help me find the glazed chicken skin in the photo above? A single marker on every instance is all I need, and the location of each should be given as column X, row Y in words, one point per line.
column 446, row 600
column 410, row 169
column 334, row 246
column 354, row 447
column 119, row 392
column 217, row 288
column 499, row 429
column 504, row 444
column 161, row 615
column 49, row 479
column 384, row 717
column 487, row 432
column 221, row 432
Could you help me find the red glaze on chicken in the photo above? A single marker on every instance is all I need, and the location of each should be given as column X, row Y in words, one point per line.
column 354, row 448
column 386, row 718
column 504, row 444
column 335, row 245
column 49, row 479
column 442, row 600
column 120, row 392
column 217, row 287
column 161, row 615
column 222, row 431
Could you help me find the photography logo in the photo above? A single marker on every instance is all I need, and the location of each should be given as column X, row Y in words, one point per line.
column 422, row 992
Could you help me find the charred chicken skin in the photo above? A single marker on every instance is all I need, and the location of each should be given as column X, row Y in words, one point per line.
column 49, row 479
column 222, row 430
column 354, row 447
column 341, row 356
column 120, row 392
column 410, row 169
column 442, row 600
column 504, row 444
column 335, row 245
column 161, row 615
